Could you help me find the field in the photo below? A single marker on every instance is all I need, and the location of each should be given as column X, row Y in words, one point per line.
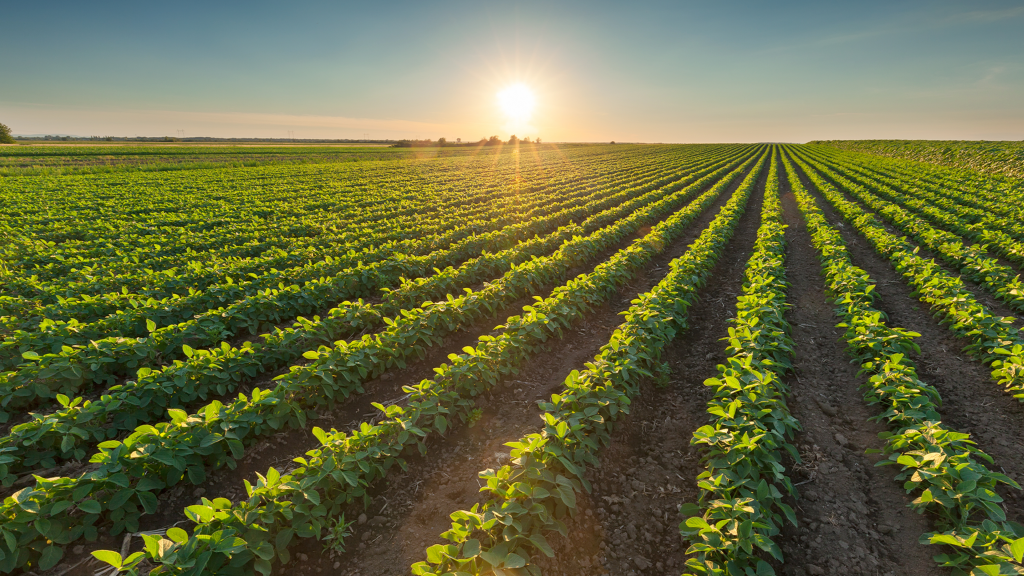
column 547, row 359
column 998, row 157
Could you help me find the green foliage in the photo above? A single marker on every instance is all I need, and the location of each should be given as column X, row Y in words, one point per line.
column 992, row 339
column 941, row 467
column 532, row 496
column 186, row 446
column 5, row 135
column 744, row 482
column 1006, row 157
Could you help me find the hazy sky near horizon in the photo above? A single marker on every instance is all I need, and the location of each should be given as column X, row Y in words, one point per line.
column 675, row 71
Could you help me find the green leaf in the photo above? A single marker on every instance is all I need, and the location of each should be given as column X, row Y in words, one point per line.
column 177, row 535
column 320, row 434
column 471, row 548
column 150, row 325
column 196, row 474
column 1017, row 549
column 514, row 560
column 108, row 556
column 946, row 539
column 435, row 554
column 90, row 507
column 51, row 555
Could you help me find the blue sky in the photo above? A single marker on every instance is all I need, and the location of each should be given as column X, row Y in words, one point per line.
column 648, row 71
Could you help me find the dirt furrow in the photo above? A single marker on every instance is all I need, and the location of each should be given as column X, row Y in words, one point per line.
column 853, row 518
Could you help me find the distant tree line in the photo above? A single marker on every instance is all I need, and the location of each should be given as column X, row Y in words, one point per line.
column 492, row 141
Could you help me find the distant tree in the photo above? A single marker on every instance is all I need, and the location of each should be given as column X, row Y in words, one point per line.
column 526, row 140
column 494, row 141
column 442, row 141
column 537, row 140
column 613, row 141
column 5, row 135
column 513, row 140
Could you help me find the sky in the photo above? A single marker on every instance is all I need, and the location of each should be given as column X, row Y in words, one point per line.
column 674, row 71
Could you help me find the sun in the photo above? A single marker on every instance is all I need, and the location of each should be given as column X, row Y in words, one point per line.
column 517, row 102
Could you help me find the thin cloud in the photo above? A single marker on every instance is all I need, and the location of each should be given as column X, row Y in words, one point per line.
column 984, row 15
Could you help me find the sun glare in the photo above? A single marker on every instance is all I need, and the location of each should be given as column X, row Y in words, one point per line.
column 517, row 102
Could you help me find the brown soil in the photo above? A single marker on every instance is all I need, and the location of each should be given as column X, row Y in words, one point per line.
column 853, row 518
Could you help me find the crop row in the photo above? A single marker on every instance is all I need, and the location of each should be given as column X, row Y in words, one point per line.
column 992, row 339
column 237, row 538
column 939, row 204
column 102, row 360
column 966, row 197
column 936, row 210
column 993, row 157
column 214, row 435
column 330, row 263
column 999, row 279
column 61, row 435
column 298, row 205
column 741, row 506
column 942, row 468
column 123, row 313
column 358, row 228
column 533, row 495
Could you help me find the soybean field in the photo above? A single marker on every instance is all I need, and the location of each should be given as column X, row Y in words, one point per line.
column 747, row 359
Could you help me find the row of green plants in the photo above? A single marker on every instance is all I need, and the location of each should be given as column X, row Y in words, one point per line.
column 740, row 511
column 189, row 286
column 1000, row 280
column 153, row 218
column 201, row 269
column 941, row 468
column 157, row 456
column 533, row 495
column 413, row 244
column 1006, row 158
column 64, row 434
column 403, row 231
column 939, row 211
column 101, row 361
column 992, row 339
column 123, row 313
column 962, row 187
column 432, row 408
